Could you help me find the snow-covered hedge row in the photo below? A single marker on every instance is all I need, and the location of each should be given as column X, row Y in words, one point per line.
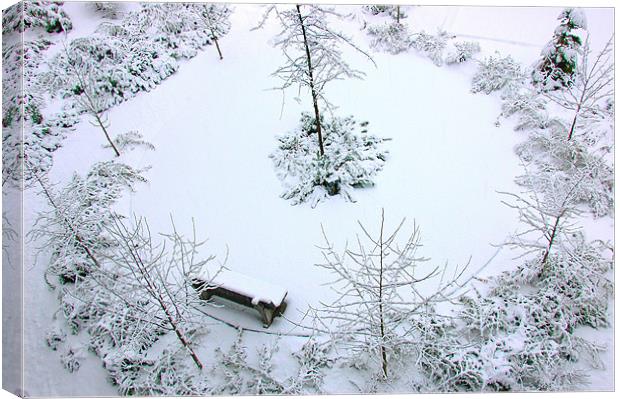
column 27, row 134
column 47, row 15
column 133, row 55
column 395, row 37
column 121, row 60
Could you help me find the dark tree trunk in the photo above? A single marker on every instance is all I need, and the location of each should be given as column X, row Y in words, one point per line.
column 217, row 46
column 551, row 239
column 315, row 101
column 572, row 127
column 384, row 362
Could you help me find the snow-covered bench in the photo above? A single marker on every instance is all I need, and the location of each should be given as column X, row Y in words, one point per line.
column 267, row 298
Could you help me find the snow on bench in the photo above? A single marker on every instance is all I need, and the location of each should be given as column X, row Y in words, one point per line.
column 267, row 298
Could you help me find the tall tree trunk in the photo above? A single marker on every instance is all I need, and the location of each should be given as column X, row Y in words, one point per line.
column 579, row 104
column 384, row 362
column 397, row 14
column 315, row 101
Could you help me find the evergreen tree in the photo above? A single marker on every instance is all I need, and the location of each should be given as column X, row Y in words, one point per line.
column 559, row 61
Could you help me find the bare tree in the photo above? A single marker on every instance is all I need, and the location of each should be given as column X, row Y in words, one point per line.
column 162, row 274
column 74, row 72
column 216, row 18
column 313, row 55
column 379, row 296
column 548, row 216
column 592, row 85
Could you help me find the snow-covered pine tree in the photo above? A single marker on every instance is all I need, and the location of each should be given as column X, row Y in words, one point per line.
column 47, row 15
column 216, row 17
column 591, row 87
column 559, row 63
column 352, row 158
column 379, row 307
column 313, row 54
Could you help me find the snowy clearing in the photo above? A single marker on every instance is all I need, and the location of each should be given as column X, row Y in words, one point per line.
column 214, row 123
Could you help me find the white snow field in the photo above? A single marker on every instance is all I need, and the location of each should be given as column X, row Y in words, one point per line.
column 214, row 123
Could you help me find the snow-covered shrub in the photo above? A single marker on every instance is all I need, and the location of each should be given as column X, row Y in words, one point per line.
column 54, row 338
column 527, row 336
column 313, row 358
column 167, row 374
column 351, row 160
column 529, row 107
column 107, row 9
column 172, row 25
column 433, row 46
column 75, row 225
column 462, row 52
column 95, row 61
column 497, row 73
column 595, row 126
column 392, row 37
column 449, row 363
column 377, row 9
column 28, row 134
column 558, row 65
column 240, row 376
column 71, row 360
column 147, row 63
column 24, row 15
column 555, row 162
column 580, row 277
column 393, row 11
column 532, row 313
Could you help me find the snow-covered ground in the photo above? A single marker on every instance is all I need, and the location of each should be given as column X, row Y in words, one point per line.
column 214, row 124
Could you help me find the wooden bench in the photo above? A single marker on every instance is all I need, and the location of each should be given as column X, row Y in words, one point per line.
column 267, row 299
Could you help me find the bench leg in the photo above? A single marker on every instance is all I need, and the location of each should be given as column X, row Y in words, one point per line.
column 206, row 295
column 266, row 315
